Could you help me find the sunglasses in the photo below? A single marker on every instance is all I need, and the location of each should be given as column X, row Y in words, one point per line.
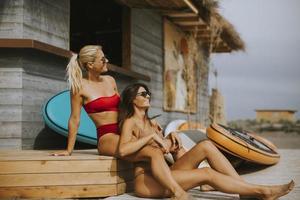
column 144, row 94
column 104, row 59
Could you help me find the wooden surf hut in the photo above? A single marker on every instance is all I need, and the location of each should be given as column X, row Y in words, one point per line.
column 38, row 37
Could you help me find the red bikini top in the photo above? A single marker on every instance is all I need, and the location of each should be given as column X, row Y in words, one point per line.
column 102, row 104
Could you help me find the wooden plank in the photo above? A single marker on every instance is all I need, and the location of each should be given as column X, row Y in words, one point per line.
column 11, row 78
column 191, row 6
column 28, row 43
column 54, row 166
column 221, row 50
column 52, row 179
column 50, row 158
column 175, row 14
column 10, row 96
column 193, row 27
column 151, row 4
column 45, row 155
column 37, row 45
column 205, row 32
column 186, row 19
column 203, row 36
column 220, row 47
column 10, row 130
column 10, row 113
column 178, row 3
column 189, row 23
column 66, row 191
column 43, row 84
column 42, row 160
column 58, row 166
column 10, row 143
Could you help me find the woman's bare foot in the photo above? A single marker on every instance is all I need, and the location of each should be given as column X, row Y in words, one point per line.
column 206, row 188
column 184, row 196
column 277, row 191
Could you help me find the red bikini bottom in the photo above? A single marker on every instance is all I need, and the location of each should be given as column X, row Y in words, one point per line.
column 107, row 128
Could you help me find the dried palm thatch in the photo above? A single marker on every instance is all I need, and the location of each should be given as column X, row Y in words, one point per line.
column 209, row 13
column 206, row 8
column 229, row 34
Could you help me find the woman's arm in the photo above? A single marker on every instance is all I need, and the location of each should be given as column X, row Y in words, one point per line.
column 177, row 154
column 74, row 121
column 127, row 145
column 73, row 124
column 158, row 129
column 173, row 141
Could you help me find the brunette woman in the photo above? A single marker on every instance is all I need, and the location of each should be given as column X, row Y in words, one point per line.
column 136, row 126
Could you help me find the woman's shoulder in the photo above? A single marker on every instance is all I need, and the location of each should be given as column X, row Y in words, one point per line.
column 84, row 83
column 109, row 78
column 130, row 122
column 84, row 86
column 81, row 93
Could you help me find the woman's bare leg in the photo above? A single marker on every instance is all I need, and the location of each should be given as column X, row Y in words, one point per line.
column 206, row 150
column 146, row 186
column 159, row 167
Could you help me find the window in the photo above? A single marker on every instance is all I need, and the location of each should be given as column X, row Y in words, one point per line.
column 100, row 22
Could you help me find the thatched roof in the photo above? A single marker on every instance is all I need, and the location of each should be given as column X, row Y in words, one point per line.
column 208, row 10
column 200, row 16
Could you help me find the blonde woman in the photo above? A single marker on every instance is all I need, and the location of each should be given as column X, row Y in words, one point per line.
column 137, row 126
column 98, row 94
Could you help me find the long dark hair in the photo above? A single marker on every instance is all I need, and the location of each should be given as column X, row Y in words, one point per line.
column 126, row 109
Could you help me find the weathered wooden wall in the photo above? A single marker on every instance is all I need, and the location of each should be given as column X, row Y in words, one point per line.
column 28, row 79
column 45, row 21
column 10, row 107
column 147, row 58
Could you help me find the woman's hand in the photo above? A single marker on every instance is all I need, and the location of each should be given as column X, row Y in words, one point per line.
column 61, row 153
column 160, row 142
column 176, row 141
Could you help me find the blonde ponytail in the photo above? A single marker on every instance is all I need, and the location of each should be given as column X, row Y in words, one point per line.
column 74, row 74
column 78, row 62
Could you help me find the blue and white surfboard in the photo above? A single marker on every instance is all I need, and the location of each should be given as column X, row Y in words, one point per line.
column 56, row 113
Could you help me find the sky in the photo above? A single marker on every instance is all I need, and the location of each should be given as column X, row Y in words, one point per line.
column 267, row 74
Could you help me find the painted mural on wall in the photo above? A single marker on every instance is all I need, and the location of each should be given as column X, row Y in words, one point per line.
column 180, row 75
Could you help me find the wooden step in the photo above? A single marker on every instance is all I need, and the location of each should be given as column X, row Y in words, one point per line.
column 36, row 174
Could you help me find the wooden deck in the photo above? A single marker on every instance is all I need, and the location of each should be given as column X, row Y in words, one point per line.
column 288, row 168
column 28, row 174
column 36, row 174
